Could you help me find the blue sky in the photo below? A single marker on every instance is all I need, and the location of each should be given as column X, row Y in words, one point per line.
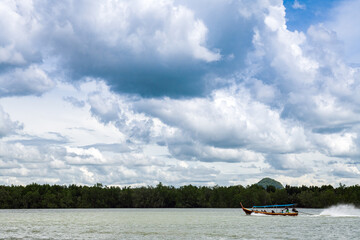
column 179, row 92
column 301, row 14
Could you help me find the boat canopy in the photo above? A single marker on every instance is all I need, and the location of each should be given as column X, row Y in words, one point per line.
column 272, row 206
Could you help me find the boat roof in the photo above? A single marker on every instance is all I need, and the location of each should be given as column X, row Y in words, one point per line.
column 270, row 206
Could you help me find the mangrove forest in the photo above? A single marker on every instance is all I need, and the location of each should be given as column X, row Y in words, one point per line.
column 161, row 196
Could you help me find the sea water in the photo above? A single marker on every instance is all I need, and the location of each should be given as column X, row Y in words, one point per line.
column 340, row 222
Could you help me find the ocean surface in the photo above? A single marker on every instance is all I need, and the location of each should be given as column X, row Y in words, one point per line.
column 339, row 222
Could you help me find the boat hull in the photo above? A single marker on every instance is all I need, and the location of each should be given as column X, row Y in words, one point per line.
column 249, row 212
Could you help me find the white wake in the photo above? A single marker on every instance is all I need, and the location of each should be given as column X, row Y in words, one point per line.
column 343, row 210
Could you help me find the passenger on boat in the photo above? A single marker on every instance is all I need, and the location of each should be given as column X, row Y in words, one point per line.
column 294, row 210
column 272, row 211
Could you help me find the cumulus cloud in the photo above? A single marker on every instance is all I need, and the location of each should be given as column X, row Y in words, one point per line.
column 56, row 163
column 82, row 156
column 19, row 28
column 345, row 171
column 169, row 42
column 315, row 85
column 20, row 153
column 342, row 17
column 235, row 120
column 9, row 55
column 7, row 126
column 30, row 81
column 110, row 108
column 21, row 72
column 226, row 92
column 166, row 40
column 284, row 102
column 238, row 125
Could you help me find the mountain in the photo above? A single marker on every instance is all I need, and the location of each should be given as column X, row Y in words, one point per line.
column 270, row 182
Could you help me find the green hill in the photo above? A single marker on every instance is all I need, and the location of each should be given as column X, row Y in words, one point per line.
column 270, row 182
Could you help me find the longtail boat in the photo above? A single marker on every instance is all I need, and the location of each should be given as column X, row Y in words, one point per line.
column 284, row 212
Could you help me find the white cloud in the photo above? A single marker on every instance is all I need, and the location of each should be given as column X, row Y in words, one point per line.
column 123, row 35
column 9, row 55
column 18, row 153
column 340, row 144
column 19, row 28
column 293, row 162
column 345, row 171
column 182, row 32
column 30, row 81
column 81, row 156
column 234, row 118
column 7, row 126
column 278, row 102
column 298, row 5
column 281, row 49
column 141, row 26
column 343, row 17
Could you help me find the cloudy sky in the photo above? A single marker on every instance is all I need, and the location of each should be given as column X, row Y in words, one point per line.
column 179, row 92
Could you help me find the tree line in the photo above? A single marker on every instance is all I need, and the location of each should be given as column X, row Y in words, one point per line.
column 160, row 196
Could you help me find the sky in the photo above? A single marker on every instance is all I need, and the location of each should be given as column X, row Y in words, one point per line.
column 133, row 93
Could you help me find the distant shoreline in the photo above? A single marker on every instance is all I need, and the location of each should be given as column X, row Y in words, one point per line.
column 36, row 196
